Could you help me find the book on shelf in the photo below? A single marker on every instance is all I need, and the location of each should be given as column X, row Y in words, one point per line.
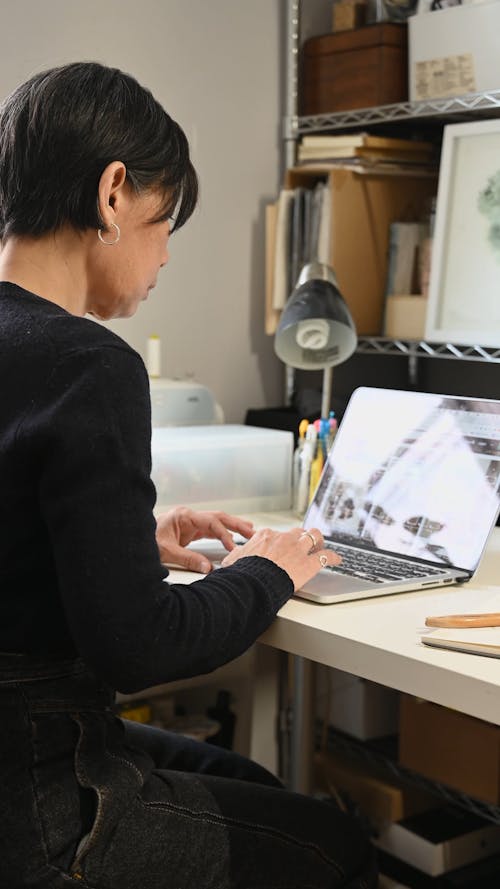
column 402, row 266
column 296, row 235
column 281, row 272
column 356, row 140
column 367, row 167
column 272, row 315
column 471, row 640
column 404, row 150
column 298, row 230
column 410, row 155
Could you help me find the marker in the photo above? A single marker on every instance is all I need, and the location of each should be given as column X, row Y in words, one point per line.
column 306, row 458
column 316, row 469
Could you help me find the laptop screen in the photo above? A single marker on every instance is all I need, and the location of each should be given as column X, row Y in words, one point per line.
column 413, row 473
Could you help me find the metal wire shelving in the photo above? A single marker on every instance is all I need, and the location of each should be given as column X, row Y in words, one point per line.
column 363, row 751
column 413, row 350
column 469, row 106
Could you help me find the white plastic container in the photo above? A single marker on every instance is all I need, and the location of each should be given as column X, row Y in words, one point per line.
column 230, row 467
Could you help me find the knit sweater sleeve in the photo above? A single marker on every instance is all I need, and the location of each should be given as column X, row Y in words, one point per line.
column 92, row 433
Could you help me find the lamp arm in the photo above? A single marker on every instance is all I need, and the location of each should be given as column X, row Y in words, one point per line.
column 326, row 392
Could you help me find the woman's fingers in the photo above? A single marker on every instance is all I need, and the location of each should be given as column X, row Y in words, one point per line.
column 300, row 553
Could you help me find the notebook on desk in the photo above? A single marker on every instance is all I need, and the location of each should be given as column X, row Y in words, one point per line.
column 408, row 495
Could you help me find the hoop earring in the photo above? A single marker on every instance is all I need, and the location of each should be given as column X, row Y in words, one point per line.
column 117, row 235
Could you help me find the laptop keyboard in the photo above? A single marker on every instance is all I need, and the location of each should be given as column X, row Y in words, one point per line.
column 376, row 567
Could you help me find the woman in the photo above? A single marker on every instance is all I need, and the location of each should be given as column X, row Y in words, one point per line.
column 94, row 177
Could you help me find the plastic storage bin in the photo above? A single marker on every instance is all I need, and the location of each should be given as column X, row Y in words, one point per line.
column 231, row 467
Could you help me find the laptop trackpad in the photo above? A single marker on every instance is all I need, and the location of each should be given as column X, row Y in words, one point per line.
column 332, row 587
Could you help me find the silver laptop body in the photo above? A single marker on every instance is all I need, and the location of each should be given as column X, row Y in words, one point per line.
column 409, row 493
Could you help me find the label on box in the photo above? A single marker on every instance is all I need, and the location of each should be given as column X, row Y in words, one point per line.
column 442, row 78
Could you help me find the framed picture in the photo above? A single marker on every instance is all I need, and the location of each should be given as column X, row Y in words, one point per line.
column 464, row 286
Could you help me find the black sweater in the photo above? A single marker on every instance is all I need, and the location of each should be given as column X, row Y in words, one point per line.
column 80, row 572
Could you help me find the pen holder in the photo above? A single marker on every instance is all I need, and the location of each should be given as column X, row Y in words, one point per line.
column 309, row 459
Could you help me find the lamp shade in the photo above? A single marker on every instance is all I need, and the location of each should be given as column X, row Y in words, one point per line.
column 316, row 329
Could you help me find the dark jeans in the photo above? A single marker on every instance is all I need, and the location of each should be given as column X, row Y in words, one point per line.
column 88, row 800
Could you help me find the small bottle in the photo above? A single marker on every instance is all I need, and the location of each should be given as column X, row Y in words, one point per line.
column 153, row 356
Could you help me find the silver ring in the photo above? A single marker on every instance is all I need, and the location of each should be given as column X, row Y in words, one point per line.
column 323, row 561
column 311, row 537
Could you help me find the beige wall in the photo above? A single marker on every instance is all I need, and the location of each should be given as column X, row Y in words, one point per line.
column 215, row 65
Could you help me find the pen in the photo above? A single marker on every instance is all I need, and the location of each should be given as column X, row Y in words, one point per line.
column 491, row 619
column 324, row 432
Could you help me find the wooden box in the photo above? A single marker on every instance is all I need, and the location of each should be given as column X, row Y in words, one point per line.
column 354, row 69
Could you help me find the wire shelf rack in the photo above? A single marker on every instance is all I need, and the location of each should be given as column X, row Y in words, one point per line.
column 364, row 752
column 375, row 345
column 458, row 107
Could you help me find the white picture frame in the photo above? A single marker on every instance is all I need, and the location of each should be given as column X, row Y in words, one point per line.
column 464, row 286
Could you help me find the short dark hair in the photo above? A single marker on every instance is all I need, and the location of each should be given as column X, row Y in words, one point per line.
column 60, row 130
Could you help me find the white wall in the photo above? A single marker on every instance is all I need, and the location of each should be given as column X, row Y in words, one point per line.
column 215, row 66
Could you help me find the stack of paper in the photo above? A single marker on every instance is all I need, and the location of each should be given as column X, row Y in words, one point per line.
column 365, row 149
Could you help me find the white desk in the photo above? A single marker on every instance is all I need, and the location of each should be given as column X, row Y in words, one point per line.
column 379, row 639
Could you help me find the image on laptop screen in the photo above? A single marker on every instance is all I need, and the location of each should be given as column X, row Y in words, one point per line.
column 414, row 474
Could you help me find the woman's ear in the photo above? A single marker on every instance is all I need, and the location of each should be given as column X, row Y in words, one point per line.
column 111, row 192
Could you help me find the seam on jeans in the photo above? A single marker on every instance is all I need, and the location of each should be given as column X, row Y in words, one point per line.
column 80, row 882
column 125, row 762
column 85, row 782
column 221, row 820
column 30, row 725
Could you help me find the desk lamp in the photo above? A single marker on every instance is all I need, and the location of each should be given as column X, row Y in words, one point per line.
column 316, row 330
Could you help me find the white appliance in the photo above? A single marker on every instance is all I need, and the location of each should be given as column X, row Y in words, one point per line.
column 182, row 403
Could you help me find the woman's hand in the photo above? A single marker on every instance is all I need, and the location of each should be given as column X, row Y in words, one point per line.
column 300, row 553
column 181, row 525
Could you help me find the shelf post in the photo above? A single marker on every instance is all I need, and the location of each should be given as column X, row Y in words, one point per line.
column 292, row 81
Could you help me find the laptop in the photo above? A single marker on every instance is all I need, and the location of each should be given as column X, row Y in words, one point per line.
column 408, row 494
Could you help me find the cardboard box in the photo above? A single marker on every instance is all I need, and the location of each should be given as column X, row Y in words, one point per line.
column 440, row 840
column 359, row 68
column 348, row 14
column 362, row 207
column 454, row 51
column 450, row 747
column 381, row 798
column 405, row 317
